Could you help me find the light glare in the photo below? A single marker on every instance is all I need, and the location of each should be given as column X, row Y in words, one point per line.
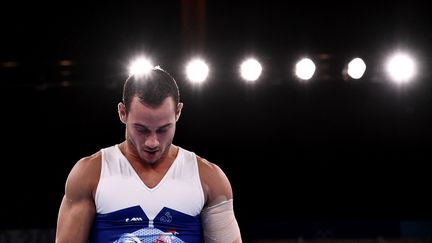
column 250, row 69
column 356, row 68
column 401, row 68
column 197, row 71
column 305, row 69
column 140, row 66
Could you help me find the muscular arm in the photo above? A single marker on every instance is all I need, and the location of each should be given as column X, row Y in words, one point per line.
column 219, row 222
column 77, row 208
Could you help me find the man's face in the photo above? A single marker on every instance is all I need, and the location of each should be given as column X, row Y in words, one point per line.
column 150, row 131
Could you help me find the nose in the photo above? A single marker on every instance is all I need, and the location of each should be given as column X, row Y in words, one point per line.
column 152, row 141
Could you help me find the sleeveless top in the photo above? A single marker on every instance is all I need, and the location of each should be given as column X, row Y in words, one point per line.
column 129, row 211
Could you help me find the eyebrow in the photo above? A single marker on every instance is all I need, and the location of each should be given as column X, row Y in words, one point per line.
column 142, row 126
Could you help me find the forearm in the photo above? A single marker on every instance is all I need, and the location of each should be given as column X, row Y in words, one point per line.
column 220, row 224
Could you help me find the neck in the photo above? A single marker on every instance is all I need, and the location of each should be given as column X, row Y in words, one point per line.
column 131, row 154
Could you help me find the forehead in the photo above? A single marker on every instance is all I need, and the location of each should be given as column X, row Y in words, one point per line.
column 148, row 115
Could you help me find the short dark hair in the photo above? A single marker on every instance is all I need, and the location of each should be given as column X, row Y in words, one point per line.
column 151, row 88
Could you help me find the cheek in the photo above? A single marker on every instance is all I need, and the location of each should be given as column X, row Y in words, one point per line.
column 163, row 138
column 135, row 136
column 167, row 137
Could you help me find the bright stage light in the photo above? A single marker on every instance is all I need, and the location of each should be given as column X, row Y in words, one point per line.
column 356, row 68
column 401, row 68
column 140, row 66
column 250, row 69
column 305, row 69
column 197, row 71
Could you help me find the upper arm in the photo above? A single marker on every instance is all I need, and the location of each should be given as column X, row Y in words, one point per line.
column 218, row 219
column 216, row 185
column 77, row 208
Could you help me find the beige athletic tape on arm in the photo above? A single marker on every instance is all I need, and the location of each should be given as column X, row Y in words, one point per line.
column 220, row 224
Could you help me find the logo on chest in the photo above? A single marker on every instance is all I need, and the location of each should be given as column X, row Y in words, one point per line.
column 134, row 219
column 167, row 218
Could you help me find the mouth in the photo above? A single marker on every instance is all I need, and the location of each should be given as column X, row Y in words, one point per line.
column 151, row 151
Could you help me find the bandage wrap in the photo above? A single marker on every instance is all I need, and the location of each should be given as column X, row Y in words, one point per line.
column 220, row 224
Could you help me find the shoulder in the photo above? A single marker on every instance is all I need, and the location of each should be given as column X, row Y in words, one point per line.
column 209, row 168
column 87, row 165
column 215, row 183
column 84, row 175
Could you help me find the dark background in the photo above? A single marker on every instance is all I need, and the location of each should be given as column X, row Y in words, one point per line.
column 331, row 157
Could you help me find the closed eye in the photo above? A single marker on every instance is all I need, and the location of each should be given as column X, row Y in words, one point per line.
column 163, row 129
column 142, row 130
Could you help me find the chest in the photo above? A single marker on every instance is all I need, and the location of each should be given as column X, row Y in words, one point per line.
column 175, row 189
column 151, row 178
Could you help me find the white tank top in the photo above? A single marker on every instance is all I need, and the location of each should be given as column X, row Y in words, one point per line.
column 124, row 204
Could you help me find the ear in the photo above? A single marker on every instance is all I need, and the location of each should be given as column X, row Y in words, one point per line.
column 122, row 112
column 178, row 110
